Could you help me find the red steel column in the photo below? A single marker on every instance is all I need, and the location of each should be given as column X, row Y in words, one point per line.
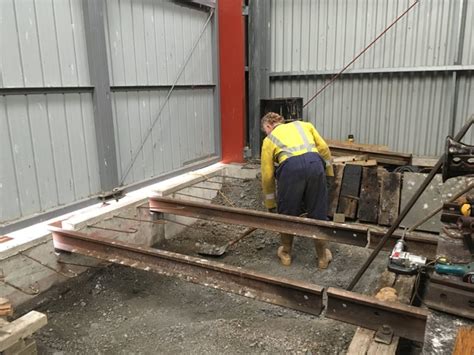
column 232, row 79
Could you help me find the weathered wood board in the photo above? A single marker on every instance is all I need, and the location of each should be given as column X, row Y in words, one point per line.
column 335, row 189
column 369, row 196
column 349, row 197
column 389, row 197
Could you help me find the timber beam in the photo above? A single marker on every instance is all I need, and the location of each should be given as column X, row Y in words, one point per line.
column 352, row 234
column 405, row 321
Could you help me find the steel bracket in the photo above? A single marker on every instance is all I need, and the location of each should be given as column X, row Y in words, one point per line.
column 384, row 334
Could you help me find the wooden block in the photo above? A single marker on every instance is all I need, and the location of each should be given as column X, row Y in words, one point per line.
column 335, row 189
column 339, row 218
column 349, row 197
column 21, row 328
column 347, row 158
column 361, row 341
column 389, row 197
column 22, row 347
column 370, row 162
column 464, row 341
column 369, row 196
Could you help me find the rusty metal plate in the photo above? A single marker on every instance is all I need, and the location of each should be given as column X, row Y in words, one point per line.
column 352, row 234
column 406, row 321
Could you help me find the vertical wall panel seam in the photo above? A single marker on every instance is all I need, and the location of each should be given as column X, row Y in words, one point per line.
column 134, row 47
column 76, row 65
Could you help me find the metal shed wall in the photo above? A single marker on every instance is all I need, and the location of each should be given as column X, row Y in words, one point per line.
column 48, row 139
column 148, row 43
column 49, row 155
column 409, row 90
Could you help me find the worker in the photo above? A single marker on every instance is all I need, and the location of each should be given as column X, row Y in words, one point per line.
column 302, row 159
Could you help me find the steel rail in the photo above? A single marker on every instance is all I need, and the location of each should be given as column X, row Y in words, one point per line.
column 357, row 235
column 293, row 294
column 405, row 321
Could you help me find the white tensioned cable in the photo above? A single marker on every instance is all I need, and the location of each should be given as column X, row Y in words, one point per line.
column 127, row 171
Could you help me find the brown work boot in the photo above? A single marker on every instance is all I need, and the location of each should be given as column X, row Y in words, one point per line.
column 284, row 251
column 324, row 254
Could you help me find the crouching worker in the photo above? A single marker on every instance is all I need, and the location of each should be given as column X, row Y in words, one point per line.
column 302, row 160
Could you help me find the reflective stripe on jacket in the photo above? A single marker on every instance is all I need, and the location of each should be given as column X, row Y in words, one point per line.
column 287, row 140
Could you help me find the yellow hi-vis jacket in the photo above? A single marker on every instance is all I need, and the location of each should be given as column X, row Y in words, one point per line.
column 285, row 141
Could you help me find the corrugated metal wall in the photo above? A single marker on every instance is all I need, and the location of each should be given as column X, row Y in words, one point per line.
column 49, row 149
column 148, row 42
column 399, row 93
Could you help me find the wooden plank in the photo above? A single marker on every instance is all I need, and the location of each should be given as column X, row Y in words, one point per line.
column 335, row 189
column 348, row 199
column 369, row 162
column 383, row 157
column 22, row 347
column 21, row 328
column 347, row 158
column 336, row 142
column 369, row 196
column 464, row 341
column 361, row 341
column 389, row 197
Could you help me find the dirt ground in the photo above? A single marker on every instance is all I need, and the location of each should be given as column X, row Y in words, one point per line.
column 118, row 310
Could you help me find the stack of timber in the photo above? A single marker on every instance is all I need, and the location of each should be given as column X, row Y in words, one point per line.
column 379, row 153
column 369, row 194
column 16, row 337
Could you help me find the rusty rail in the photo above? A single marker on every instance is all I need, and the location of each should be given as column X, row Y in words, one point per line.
column 351, row 234
column 405, row 321
column 292, row 294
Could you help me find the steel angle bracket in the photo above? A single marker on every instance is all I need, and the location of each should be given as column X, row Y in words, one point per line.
column 405, row 321
column 298, row 295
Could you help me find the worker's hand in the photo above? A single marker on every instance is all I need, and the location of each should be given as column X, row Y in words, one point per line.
column 272, row 210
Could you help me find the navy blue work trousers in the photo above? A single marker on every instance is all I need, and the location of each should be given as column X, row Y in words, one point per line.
column 302, row 186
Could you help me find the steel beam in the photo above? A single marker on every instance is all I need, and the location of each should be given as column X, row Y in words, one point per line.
column 216, row 78
column 288, row 75
column 405, row 321
column 46, row 90
column 128, row 88
column 101, row 98
column 259, row 66
column 351, row 234
column 293, row 294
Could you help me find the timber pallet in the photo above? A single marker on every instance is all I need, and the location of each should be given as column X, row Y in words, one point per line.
column 16, row 336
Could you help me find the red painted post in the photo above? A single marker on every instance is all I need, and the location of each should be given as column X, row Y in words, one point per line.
column 232, row 79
